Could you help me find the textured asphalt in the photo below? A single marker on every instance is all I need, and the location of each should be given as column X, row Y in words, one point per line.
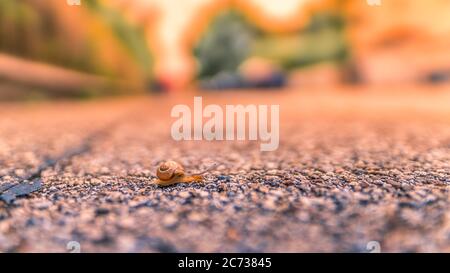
column 353, row 166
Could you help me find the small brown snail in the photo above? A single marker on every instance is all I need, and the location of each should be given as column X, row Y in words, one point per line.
column 171, row 172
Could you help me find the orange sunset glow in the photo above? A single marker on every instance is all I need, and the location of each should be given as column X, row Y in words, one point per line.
column 177, row 25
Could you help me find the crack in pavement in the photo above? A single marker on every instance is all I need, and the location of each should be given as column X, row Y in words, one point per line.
column 33, row 182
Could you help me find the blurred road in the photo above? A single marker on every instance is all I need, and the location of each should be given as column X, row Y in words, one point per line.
column 55, row 80
column 353, row 167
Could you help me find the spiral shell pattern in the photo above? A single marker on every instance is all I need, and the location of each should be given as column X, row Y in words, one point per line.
column 169, row 170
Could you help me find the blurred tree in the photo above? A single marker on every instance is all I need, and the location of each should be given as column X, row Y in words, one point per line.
column 95, row 38
column 30, row 29
column 49, row 32
column 231, row 39
column 323, row 40
column 224, row 46
column 132, row 37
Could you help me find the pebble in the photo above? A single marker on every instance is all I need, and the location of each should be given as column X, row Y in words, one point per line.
column 184, row 194
column 270, row 204
column 170, row 221
column 196, row 216
column 43, row 204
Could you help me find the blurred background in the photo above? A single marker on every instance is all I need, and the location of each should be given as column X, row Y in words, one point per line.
column 90, row 48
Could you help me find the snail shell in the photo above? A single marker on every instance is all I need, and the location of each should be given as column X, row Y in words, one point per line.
column 169, row 170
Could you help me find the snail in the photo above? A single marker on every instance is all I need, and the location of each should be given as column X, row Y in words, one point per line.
column 171, row 172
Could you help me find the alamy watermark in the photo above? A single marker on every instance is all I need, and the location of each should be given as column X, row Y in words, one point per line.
column 235, row 127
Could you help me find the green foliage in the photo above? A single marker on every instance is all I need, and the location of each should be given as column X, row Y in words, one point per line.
column 230, row 39
column 15, row 17
column 225, row 45
column 323, row 40
column 130, row 36
column 30, row 29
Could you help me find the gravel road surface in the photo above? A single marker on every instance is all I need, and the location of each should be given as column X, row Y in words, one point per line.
column 353, row 166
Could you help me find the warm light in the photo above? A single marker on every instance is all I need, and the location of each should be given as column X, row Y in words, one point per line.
column 179, row 25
